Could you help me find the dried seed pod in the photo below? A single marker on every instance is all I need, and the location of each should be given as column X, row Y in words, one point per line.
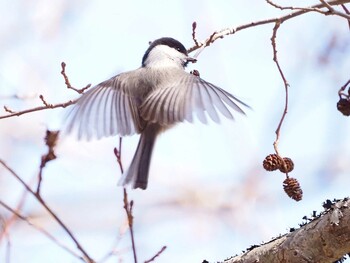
column 343, row 106
column 195, row 72
column 288, row 167
column 292, row 188
column 51, row 138
column 272, row 162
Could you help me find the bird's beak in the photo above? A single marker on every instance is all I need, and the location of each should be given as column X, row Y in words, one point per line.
column 190, row 59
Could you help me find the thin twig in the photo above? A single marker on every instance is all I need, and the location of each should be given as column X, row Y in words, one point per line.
column 118, row 155
column 7, row 109
column 194, row 37
column 229, row 31
column 50, row 141
column 87, row 258
column 40, row 229
column 40, row 179
column 341, row 93
column 47, row 105
column 206, row 44
column 67, row 82
column 330, row 8
column 286, row 85
column 41, row 97
column 12, row 219
column 346, row 11
column 309, row 9
column 128, row 209
column 4, row 234
column 156, row 255
column 40, row 108
column 277, row 6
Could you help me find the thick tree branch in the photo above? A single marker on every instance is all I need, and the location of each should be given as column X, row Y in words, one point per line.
column 324, row 240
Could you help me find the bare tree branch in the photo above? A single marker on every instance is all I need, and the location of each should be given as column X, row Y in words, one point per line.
column 47, row 105
column 330, row 9
column 201, row 45
column 50, row 141
column 118, row 154
column 7, row 109
column 156, row 255
column 9, row 221
column 341, row 90
column 324, row 240
column 86, row 257
column 229, row 31
column 67, row 82
column 347, row 12
column 286, row 85
column 194, row 37
column 40, row 108
column 40, row 229
column 128, row 209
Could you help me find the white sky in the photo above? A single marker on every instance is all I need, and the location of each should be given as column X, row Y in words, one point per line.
column 208, row 197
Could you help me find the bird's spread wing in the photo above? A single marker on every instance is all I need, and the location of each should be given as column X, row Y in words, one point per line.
column 188, row 94
column 106, row 109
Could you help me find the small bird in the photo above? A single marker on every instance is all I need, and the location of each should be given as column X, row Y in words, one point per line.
column 148, row 101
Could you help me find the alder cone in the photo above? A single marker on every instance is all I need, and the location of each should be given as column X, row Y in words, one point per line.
column 292, row 188
column 272, row 162
column 343, row 106
column 289, row 165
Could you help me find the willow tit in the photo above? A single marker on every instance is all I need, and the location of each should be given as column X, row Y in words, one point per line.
column 149, row 100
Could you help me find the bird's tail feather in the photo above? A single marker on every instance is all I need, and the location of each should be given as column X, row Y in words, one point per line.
column 137, row 174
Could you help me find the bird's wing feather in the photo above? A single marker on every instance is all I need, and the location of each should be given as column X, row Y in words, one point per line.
column 186, row 95
column 107, row 109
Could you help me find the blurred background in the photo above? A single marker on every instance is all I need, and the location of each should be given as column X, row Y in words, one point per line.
column 208, row 196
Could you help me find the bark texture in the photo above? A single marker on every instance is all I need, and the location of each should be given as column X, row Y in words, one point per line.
column 324, row 240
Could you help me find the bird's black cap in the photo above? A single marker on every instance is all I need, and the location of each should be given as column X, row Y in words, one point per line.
column 167, row 41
